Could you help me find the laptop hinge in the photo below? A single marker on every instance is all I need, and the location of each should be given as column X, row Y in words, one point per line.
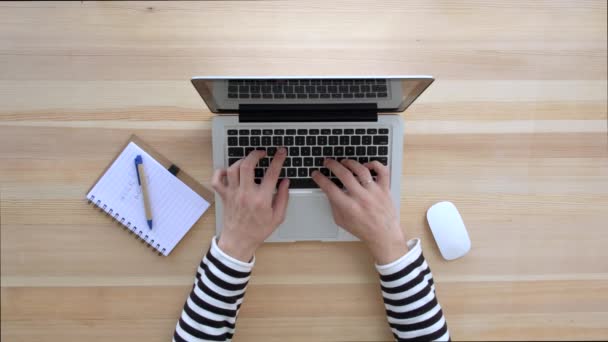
column 308, row 112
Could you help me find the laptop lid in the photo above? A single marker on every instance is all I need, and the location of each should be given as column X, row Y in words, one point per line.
column 297, row 96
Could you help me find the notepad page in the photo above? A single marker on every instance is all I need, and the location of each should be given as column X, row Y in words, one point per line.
column 175, row 207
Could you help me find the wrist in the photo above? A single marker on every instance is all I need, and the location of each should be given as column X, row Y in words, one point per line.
column 389, row 248
column 236, row 248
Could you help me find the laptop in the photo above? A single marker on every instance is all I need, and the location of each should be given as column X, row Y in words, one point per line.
column 355, row 117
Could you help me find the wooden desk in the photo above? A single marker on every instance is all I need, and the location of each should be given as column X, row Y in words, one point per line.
column 514, row 131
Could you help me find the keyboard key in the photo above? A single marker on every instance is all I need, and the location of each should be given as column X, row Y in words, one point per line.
column 359, row 95
column 302, row 183
column 256, row 96
column 309, row 161
column 292, row 172
column 264, row 162
column 290, row 96
column 288, row 141
column 244, row 141
column 294, row 151
column 336, row 96
column 260, row 149
column 296, row 161
column 267, row 96
column 305, row 150
column 232, row 161
column 266, row 89
column 383, row 131
column 370, row 95
column 281, row 175
column 332, row 89
column 300, row 141
column 233, row 132
column 347, row 96
column 337, row 182
column 363, row 160
column 360, row 150
column 266, row 141
column 233, row 141
column 371, row 150
column 324, row 96
column 344, row 140
column 254, row 141
column 259, row 172
column 337, row 131
column 233, row 88
column 302, row 96
column 349, row 131
column 311, row 140
column 302, row 172
column 313, row 131
column 243, row 96
column 302, row 132
column 267, row 132
column 325, row 131
column 355, row 140
column 277, row 89
column 360, row 131
column 338, row 151
column 311, row 170
column 372, row 131
column 271, row 151
column 333, row 140
column 249, row 150
column 299, row 89
column 244, row 89
column 349, row 151
column 279, row 131
column 256, row 131
column 316, row 151
column 313, row 96
column 290, row 132
column 382, row 95
column 288, row 89
column 319, row 161
column 381, row 140
column 277, row 141
column 365, row 89
column 367, row 140
column 279, row 96
column 322, row 140
column 243, row 132
column 324, row 171
column 233, row 95
column 235, row 152
column 257, row 180
column 382, row 160
column 382, row 151
column 328, row 151
column 287, row 162
column 310, row 89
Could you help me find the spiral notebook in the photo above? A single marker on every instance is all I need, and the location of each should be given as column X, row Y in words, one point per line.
column 176, row 205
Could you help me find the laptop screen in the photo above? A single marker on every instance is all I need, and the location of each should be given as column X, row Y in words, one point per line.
column 389, row 94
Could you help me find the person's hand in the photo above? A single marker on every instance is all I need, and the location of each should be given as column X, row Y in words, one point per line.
column 365, row 209
column 251, row 213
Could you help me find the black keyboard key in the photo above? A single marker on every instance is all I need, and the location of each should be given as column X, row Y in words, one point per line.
column 313, row 96
column 302, row 172
column 326, row 131
column 372, row 131
column 233, row 89
column 233, row 141
column 255, row 89
column 243, row 96
column 267, row 96
column 279, row 96
column 243, row 131
column 319, row 161
column 324, row 171
column 310, row 89
column 299, row 89
column 365, row 89
column 313, row 131
column 324, row 96
column 349, row 151
column 302, row 183
column 367, row 140
column 277, row 89
column 349, row 131
column 316, row 151
column 257, row 180
column 256, row 96
column 381, row 140
column 344, row 140
column 290, row 131
column 288, row 89
column 249, row 150
column 371, row 150
column 264, row 162
column 337, row 131
column 311, row 140
column 305, row 150
column 233, row 95
column 333, row 140
column 267, row 132
column 271, row 151
column 256, row 131
column 302, row 132
column 332, row 89
column 266, row 89
column 281, row 175
column 277, row 141
column 279, row 131
column 363, row 160
column 382, row 151
column 287, row 162
column 359, row 95
column 347, row 96
column 328, row 151
column 292, row 172
column 338, row 151
column 321, row 89
column 311, row 170
column 337, row 182
column 382, row 94
column 370, row 81
column 355, row 140
column 322, row 140
column 290, row 96
column 360, row 131
column 343, row 88
column 259, row 172
column 235, row 152
column 336, row 96
column 288, row 141
column 383, row 160
column 360, row 150
column 244, row 89
column 254, row 141
column 233, row 132
column 260, row 149
column 381, row 81
column 370, row 95
column 309, row 161
column 383, row 131
column 244, row 141
column 232, row 161
column 302, row 96
column 300, row 141
column 294, row 151
column 296, row 161
column 266, row 141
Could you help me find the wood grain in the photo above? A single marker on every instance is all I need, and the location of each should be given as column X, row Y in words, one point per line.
column 514, row 131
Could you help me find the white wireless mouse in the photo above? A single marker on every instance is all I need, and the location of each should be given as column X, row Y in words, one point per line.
column 449, row 230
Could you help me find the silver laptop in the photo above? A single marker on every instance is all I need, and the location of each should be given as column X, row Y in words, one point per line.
column 313, row 117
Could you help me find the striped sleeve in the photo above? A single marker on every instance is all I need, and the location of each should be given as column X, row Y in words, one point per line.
column 409, row 298
column 212, row 307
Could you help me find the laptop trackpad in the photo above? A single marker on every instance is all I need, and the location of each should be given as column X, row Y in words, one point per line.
column 308, row 218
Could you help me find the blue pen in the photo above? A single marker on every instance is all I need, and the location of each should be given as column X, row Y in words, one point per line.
column 141, row 180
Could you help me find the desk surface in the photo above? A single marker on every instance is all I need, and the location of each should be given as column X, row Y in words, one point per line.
column 514, row 131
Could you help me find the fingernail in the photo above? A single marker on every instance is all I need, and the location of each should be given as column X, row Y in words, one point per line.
column 315, row 173
column 282, row 150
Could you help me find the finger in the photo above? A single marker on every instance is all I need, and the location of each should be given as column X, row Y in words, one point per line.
column 233, row 174
column 248, row 166
column 280, row 202
column 329, row 188
column 217, row 181
column 361, row 171
column 274, row 170
column 346, row 177
column 383, row 175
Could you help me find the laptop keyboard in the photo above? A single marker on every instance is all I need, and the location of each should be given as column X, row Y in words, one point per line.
column 307, row 148
column 308, row 89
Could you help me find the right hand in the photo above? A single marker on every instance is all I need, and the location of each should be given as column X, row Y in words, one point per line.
column 365, row 209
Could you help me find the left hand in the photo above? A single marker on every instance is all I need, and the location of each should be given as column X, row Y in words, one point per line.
column 251, row 211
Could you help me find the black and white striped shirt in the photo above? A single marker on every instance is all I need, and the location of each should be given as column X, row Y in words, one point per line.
column 407, row 286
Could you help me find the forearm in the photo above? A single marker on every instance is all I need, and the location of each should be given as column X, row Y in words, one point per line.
column 212, row 307
column 409, row 298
